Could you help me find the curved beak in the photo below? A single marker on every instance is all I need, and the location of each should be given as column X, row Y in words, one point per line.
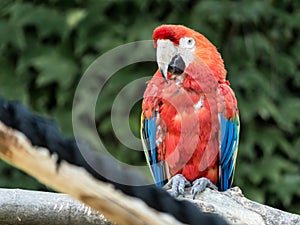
column 164, row 54
column 169, row 59
column 164, row 74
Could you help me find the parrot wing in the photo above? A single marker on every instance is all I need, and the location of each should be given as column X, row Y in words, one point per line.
column 148, row 135
column 230, row 129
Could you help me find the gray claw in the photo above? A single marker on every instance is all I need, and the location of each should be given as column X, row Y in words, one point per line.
column 177, row 185
column 200, row 184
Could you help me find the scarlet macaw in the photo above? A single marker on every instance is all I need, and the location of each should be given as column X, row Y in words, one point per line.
column 190, row 120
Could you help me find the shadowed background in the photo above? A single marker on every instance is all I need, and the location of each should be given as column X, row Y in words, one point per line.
column 45, row 47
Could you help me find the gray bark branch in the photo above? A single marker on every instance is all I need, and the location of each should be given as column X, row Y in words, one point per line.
column 238, row 210
column 39, row 208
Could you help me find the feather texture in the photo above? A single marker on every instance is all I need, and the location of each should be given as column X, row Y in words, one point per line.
column 190, row 121
column 148, row 133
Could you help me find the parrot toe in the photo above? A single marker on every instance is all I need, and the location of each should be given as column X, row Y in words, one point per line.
column 177, row 185
column 200, row 184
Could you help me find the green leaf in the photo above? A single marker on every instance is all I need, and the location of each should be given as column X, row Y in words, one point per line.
column 12, row 34
column 47, row 20
column 9, row 79
column 55, row 67
column 74, row 17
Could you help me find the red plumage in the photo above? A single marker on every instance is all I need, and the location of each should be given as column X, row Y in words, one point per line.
column 188, row 105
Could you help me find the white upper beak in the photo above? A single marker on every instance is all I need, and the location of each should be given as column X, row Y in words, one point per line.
column 164, row 54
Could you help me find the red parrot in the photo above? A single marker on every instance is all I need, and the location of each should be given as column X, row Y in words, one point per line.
column 190, row 120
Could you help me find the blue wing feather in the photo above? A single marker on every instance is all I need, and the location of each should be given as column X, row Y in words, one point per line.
column 148, row 134
column 229, row 134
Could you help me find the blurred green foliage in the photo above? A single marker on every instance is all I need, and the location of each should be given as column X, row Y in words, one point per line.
column 45, row 47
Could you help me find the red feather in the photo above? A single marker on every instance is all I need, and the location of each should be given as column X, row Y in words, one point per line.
column 190, row 140
column 188, row 123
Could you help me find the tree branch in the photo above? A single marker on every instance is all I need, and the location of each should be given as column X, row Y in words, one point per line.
column 236, row 209
column 39, row 208
column 77, row 182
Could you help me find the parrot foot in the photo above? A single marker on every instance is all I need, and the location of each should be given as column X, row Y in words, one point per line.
column 177, row 185
column 200, row 184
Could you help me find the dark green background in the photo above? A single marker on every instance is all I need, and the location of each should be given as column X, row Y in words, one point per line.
column 45, row 46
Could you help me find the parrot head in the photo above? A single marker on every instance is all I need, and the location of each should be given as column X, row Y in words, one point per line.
column 178, row 46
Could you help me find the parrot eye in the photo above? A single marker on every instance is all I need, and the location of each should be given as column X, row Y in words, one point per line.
column 187, row 42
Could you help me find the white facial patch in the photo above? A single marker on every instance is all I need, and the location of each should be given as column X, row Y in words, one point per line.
column 187, row 42
column 186, row 49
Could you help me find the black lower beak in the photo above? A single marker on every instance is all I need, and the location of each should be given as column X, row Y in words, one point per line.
column 177, row 65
